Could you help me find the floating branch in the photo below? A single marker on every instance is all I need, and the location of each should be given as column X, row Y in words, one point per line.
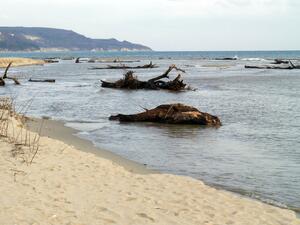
column 173, row 114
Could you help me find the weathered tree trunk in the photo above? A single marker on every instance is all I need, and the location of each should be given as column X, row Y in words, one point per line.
column 131, row 82
column 2, row 82
column 173, row 114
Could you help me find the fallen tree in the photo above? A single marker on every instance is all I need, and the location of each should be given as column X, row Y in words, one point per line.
column 172, row 114
column 2, row 82
column 112, row 67
column 131, row 82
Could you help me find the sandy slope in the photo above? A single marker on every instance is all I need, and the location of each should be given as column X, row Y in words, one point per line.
column 68, row 186
column 20, row 62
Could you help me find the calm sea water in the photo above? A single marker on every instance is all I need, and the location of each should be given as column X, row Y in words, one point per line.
column 256, row 152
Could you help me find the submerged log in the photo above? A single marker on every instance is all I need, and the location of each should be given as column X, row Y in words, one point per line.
column 275, row 66
column 112, row 67
column 2, row 82
column 269, row 67
column 172, row 114
column 131, row 82
column 46, row 80
column 280, row 61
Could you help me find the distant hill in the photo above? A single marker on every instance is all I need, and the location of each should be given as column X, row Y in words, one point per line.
column 47, row 39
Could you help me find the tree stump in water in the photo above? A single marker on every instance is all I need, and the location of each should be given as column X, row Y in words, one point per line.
column 172, row 114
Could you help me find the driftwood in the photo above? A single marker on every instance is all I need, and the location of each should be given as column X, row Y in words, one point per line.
column 276, row 66
column 173, row 114
column 2, row 82
column 50, row 60
column 280, row 61
column 46, row 80
column 227, row 58
column 131, row 82
column 111, row 67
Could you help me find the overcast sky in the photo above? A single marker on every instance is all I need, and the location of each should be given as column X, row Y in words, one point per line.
column 168, row 24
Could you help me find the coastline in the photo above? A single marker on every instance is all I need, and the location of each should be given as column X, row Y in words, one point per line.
column 65, row 185
column 57, row 130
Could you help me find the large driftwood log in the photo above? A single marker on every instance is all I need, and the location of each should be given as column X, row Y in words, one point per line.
column 173, row 114
column 112, row 67
column 2, row 82
column 131, row 82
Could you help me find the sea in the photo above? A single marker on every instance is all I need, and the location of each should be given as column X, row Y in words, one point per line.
column 256, row 153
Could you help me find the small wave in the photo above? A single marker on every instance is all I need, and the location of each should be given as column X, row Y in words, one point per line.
column 253, row 59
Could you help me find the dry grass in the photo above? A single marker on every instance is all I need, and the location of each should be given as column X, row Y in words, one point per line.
column 12, row 129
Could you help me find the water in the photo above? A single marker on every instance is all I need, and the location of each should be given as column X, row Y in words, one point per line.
column 256, row 152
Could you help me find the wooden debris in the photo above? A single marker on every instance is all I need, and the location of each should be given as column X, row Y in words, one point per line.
column 51, row 60
column 111, row 67
column 275, row 66
column 2, row 82
column 280, row 61
column 45, row 80
column 131, row 82
column 172, row 114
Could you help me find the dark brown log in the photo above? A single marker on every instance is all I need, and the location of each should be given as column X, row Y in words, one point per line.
column 131, row 82
column 173, row 114
column 111, row 67
column 46, row 80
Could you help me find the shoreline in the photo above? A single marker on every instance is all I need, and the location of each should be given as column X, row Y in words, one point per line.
column 57, row 129
column 64, row 185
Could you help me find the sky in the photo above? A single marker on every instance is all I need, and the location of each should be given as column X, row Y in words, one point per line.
column 192, row 25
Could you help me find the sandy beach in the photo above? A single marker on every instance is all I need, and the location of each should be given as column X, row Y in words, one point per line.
column 64, row 185
column 20, row 61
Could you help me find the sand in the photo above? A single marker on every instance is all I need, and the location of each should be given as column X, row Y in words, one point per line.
column 20, row 62
column 65, row 185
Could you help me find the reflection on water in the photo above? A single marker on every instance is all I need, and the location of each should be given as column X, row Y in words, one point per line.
column 255, row 152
